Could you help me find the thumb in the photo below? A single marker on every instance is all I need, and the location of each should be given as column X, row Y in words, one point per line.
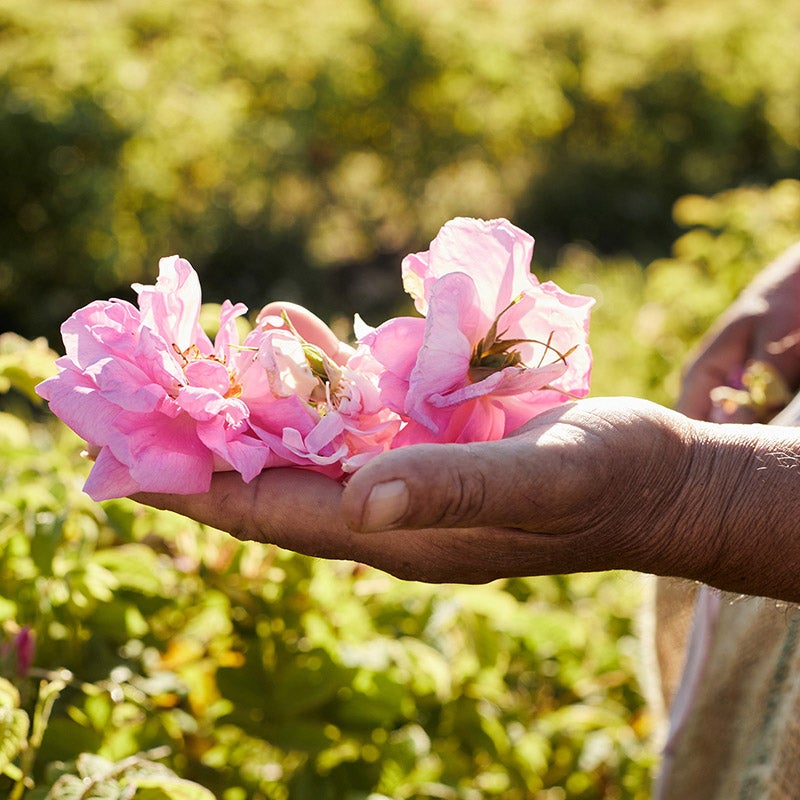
column 310, row 327
column 453, row 486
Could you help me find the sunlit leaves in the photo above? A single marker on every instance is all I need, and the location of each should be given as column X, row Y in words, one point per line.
column 134, row 778
column 14, row 724
column 286, row 136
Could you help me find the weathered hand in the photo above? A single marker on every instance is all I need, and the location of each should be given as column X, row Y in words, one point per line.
column 599, row 484
column 595, row 485
column 611, row 483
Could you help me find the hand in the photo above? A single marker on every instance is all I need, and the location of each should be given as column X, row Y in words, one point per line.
column 762, row 324
column 592, row 486
column 599, row 484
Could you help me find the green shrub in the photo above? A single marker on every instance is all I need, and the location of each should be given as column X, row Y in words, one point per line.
column 646, row 321
column 166, row 649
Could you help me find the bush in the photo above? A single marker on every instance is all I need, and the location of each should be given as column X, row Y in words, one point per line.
column 647, row 320
column 165, row 649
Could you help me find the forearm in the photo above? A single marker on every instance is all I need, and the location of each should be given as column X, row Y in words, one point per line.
column 738, row 527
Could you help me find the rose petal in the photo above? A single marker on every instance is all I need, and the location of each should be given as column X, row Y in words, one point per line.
column 109, row 478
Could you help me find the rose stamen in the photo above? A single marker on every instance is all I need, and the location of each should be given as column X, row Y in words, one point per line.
column 494, row 353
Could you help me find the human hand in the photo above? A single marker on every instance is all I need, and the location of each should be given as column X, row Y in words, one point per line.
column 599, row 484
column 610, row 483
column 594, row 485
column 763, row 324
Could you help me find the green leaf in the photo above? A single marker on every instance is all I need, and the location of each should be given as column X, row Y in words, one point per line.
column 65, row 738
column 93, row 766
column 23, row 364
column 119, row 620
column 9, row 695
column 135, row 566
column 14, row 433
column 98, row 582
column 14, row 725
column 71, row 787
column 67, row 787
column 377, row 700
column 307, row 736
column 300, row 690
column 133, row 778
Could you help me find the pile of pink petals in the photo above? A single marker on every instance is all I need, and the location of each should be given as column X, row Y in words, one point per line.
column 164, row 406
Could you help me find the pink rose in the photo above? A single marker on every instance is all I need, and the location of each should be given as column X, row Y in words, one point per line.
column 165, row 406
column 328, row 416
column 496, row 347
column 148, row 388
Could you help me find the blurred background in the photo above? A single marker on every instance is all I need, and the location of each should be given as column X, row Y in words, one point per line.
column 298, row 151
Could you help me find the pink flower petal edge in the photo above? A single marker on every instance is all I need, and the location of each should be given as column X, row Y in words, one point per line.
column 496, row 348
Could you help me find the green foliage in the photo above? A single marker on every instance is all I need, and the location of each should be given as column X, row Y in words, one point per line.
column 133, row 778
column 295, row 149
column 646, row 321
column 14, row 724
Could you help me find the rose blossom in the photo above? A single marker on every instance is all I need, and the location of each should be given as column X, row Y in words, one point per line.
column 164, row 406
column 328, row 416
column 149, row 389
column 496, row 346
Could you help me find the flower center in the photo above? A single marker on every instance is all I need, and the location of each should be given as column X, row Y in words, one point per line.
column 329, row 375
column 208, row 372
column 493, row 353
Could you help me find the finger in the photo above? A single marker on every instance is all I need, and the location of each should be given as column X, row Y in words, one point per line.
column 762, row 325
column 295, row 509
column 300, row 511
column 780, row 349
column 510, row 483
column 777, row 340
column 721, row 354
column 311, row 328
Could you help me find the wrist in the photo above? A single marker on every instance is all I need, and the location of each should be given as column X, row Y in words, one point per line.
column 736, row 525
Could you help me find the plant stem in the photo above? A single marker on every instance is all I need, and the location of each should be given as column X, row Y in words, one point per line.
column 48, row 694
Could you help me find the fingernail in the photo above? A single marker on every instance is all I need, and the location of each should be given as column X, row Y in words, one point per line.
column 386, row 505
